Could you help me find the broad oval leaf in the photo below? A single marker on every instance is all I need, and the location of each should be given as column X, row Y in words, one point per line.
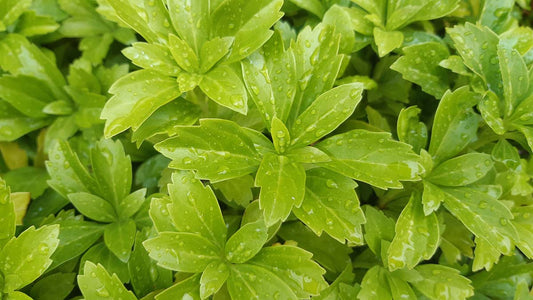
column 462, row 170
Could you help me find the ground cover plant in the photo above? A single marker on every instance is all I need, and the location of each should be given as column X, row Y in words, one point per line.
column 266, row 149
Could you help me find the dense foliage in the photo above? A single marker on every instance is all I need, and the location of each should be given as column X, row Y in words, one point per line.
column 266, row 149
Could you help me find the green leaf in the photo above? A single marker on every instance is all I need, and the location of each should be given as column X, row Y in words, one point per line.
column 213, row 51
column 119, row 238
column 317, row 65
column 250, row 281
column 34, row 63
column 420, row 64
column 442, row 282
column 485, row 256
column 183, row 54
column 246, row 242
column 130, row 15
column 489, row 107
column 280, row 135
column 292, row 266
column 205, row 147
column 136, row 96
column 237, row 190
column 307, row 155
column 14, row 124
column 7, row 211
column 250, row 25
column 282, row 185
column 455, row 124
column 16, row 295
column 54, row 286
column 387, row 41
column 11, row 10
column 342, row 288
column 378, row 227
column 515, row 76
column 213, row 277
column 97, row 284
column 188, row 288
column 483, row 215
column 152, row 56
column 271, row 79
column 100, row 254
column 27, row 94
column 181, row 251
column 375, row 285
column 93, row 207
column 432, row 196
column 166, row 119
column 410, row 130
column 462, row 170
column 112, row 170
column 417, row 236
column 195, row 30
column 75, row 237
column 328, row 252
column 505, row 153
column 224, row 86
column 145, row 274
column 24, row 258
column 341, row 18
column 322, row 117
column 371, row 157
column 159, row 214
column 68, row 174
column 477, row 45
column 331, row 205
column 195, row 209
column 524, row 227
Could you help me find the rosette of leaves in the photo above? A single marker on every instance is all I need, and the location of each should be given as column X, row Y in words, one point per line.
column 501, row 74
column 188, row 44
column 298, row 170
column 25, row 257
column 194, row 240
column 35, row 94
column 100, row 191
column 385, row 22
column 95, row 32
column 460, row 180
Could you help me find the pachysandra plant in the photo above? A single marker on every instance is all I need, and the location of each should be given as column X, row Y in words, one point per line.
column 266, row 149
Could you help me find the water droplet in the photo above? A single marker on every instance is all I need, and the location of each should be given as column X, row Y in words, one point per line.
column 494, row 60
column 503, row 221
column 102, row 292
column 186, row 160
column 483, row 204
column 331, row 184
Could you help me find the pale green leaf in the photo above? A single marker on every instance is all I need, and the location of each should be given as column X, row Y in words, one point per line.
column 515, row 77
column 378, row 227
column 248, row 21
column 7, row 211
column 420, row 64
column 93, row 207
column 254, row 282
column 455, row 124
column 280, row 135
column 11, row 10
column 213, row 277
column 97, row 284
column 375, row 285
column 307, row 155
column 462, row 170
column 484, row 215
column 294, row 267
column 135, row 97
column 224, row 86
column 410, row 130
column 217, row 150
column 371, row 157
column 417, row 236
column 26, row 257
column 188, row 288
column 387, row 41
column 485, row 256
column 282, row 183
column 119, row 238
column 477, row 45
column 183, row 252
column 441, row 282
column 190, row 19
column 183, row 54
column 270, row 78
column 195, row 209
column 213, row 51
column 325, row 114
column 152, row 56
column 331, row 205
column 246, row 242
